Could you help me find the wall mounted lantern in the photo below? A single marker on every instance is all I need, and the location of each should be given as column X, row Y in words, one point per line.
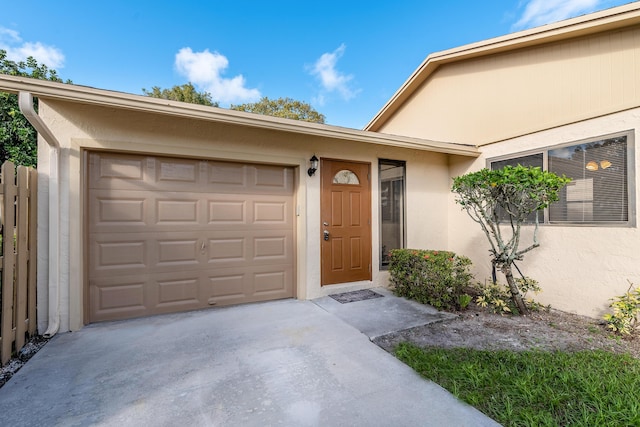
column 314, row 165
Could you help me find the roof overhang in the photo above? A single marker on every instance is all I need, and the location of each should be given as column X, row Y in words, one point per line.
column 606, row 20
column 47, row 90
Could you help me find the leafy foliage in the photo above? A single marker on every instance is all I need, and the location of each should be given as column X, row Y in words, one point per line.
column 535, row 388
column 18, row 139
column 185, row 93
column 626, row 309
column 283, row 107
column 437, row 278
column 496, row 297
column 518, row 191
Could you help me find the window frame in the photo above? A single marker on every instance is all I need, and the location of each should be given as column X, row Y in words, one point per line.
column 403, row 207
column 631, row 178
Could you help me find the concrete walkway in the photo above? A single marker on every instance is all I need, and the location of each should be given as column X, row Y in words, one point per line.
column 282, row 363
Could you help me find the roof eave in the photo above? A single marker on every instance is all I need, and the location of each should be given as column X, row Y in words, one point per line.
column 47, row 90
column 618, row 17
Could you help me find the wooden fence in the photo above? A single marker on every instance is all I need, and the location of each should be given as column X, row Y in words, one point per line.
column 18, row 213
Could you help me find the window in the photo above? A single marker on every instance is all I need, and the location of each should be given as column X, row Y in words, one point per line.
column 599, row 190
column 534, row 160
column 346, row 177
column 392, row 208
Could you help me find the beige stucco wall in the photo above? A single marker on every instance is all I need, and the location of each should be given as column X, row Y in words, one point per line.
column 84, row 127
column 579, row 267
column 500, row 96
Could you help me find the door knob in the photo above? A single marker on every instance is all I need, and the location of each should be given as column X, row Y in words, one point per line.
column 326, row 234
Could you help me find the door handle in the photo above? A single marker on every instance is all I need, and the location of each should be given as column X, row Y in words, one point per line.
column 325, row 234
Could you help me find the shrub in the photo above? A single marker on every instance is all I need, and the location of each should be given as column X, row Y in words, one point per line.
column 496, row 297
column 437, row 278
column 626, row 308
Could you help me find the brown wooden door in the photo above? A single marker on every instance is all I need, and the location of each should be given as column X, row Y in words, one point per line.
column 345, row 221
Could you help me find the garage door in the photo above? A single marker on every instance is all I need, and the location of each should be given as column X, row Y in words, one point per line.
column 168, row 235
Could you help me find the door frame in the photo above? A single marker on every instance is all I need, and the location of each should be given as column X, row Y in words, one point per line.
column 325, row 171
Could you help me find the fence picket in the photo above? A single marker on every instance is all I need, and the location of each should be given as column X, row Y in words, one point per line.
column 21, row 275
column 8, row 259
column 18, row 217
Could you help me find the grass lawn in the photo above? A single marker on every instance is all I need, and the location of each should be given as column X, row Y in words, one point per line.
column 534, row 388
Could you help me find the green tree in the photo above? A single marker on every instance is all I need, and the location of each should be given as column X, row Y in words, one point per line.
column 185, row 93
column 18, row 139
column 282, row 107
column 501, row 201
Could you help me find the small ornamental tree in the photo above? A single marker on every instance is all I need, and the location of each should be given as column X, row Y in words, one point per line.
column 501, row 201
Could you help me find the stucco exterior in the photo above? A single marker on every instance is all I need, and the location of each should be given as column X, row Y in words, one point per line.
column 580, row 268
column 545, row 87
column 80, row 128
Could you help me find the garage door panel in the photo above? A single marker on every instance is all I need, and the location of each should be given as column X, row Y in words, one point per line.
column 227, row 288
column 170, row 235
column 245, row 248
column 270, row 282
column 226, row 249
column 171, row 212
column 272, row 179
column 119, row 211
column 173, row 293
column 190, row 209
column 141, row 253
column 225, row 211
column 177, row 252
column 250, row 179
column 271, row 213
column 120, row 255
column 253, row 284
column 180, row 171
column 114, row 299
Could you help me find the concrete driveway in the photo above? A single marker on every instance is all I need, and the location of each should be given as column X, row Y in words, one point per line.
column 284, row 363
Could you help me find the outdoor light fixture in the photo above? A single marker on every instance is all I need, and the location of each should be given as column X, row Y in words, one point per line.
column 314, row 165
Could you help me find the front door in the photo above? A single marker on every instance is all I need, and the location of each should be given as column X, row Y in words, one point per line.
column 345, row 221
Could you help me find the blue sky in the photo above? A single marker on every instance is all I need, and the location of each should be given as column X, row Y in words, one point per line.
column 345, row 58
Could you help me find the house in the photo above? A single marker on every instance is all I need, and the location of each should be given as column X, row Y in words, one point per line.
column 565, row 97
column 151, row 206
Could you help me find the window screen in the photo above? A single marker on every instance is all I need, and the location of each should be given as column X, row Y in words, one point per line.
column 598, row 190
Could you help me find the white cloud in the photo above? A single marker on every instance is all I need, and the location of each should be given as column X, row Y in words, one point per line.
column 541, row 12
column 204, row 70
column 19, row 50
column 330, row 78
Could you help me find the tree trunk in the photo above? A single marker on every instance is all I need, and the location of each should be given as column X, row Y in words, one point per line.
column 515, row 292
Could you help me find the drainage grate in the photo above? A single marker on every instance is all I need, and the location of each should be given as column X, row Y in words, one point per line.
column 354, row 296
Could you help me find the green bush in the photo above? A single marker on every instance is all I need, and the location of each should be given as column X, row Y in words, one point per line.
column 437, row 278
column 626, row 309
column 496, row 297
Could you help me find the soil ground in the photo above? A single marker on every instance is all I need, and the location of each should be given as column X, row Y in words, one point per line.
column 548, row 330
